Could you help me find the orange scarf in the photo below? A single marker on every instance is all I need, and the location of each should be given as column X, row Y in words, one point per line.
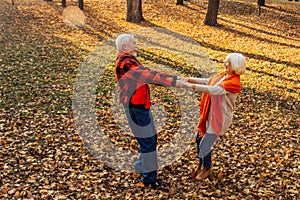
column 231, row 84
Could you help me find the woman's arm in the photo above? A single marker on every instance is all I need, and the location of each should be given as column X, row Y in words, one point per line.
column 202, row 81
column 213, row 90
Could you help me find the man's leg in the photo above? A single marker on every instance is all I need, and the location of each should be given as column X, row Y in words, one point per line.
column 148, row 158
column 142, row 126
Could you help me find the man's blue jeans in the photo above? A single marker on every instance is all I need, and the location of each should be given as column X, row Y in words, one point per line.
column 142, row 125
column 204, row 148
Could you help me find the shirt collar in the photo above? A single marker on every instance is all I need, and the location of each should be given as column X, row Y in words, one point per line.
column 125, row 54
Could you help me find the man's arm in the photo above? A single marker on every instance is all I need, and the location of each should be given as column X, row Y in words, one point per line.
column 142, row 75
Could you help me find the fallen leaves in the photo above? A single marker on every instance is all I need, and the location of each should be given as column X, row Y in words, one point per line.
column 43, row 157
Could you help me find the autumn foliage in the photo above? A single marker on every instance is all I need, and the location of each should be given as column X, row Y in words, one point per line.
column 43, row 157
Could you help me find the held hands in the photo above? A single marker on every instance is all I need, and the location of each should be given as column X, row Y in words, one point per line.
column 183, row 82
column 189, row 80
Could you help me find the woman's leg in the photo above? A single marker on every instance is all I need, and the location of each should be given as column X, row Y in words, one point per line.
column 204, row 147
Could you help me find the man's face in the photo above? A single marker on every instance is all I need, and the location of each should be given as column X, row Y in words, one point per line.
column 130, row 47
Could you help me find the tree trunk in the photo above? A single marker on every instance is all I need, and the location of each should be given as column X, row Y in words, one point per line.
column 134, row 11
column 64, row 3
column 261, row 2
column 80, row 2
column 212, row 12
column 179, row 2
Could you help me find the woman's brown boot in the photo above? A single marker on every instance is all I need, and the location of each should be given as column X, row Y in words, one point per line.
column 203, row 174
column 196, row 171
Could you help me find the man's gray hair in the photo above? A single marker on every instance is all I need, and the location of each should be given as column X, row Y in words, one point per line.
column 123, row 39
column 238, row 62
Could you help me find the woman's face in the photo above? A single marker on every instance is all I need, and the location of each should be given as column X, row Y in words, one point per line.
column 130, row 47
column 228, row 67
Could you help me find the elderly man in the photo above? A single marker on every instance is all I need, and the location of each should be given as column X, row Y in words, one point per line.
column 133, row 81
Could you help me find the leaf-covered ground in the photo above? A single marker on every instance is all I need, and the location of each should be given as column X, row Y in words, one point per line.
column 42, row 155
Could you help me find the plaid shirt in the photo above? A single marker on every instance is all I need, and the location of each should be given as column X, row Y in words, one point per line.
column 133, row 79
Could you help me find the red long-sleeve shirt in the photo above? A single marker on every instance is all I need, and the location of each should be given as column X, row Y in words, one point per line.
column 133, row 79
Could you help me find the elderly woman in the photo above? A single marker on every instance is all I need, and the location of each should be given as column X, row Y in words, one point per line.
column 216, row 107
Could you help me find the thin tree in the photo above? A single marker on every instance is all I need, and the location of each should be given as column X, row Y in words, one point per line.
column 80, row 2
column 261, row 2
column 179, row 2
column 212, row 12
column 64, row 3
column 134, row 11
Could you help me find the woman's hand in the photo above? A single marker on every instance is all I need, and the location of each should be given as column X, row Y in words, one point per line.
column 201, row 81
column 191, row 80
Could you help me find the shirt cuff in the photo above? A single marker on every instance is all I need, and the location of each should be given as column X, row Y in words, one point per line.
column 173, row 83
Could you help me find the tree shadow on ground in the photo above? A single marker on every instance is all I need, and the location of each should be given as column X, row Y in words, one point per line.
column 250, row 55
column 226, row 28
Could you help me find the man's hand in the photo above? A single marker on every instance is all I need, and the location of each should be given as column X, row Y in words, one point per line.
column 182, row 78
column 182, row 83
